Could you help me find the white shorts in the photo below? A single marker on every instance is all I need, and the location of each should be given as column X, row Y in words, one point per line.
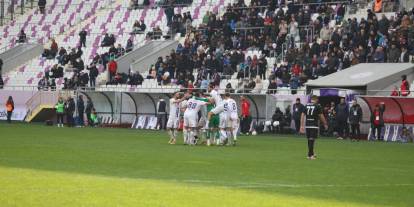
column 190, row 120
column 173, row 123
column 224, row 119
column 233, row 121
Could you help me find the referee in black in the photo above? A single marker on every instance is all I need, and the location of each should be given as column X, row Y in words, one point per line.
column 310, row 120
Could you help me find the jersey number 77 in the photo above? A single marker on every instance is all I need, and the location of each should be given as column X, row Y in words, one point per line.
column 310, row 110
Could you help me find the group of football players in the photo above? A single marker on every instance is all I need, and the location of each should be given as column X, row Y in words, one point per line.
column 214, row 118
column 208, row 118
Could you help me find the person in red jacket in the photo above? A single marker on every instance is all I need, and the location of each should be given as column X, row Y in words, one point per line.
column 296, row 70
column 377, row 121
column 112, row 68
column 245, row 115
column 405, row 86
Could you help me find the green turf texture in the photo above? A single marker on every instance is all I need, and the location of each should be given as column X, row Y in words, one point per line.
column 49, row 166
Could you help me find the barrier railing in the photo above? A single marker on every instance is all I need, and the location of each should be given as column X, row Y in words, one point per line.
column 44, row 98
column 172, row 88
column 139, row 88
column 40, row 98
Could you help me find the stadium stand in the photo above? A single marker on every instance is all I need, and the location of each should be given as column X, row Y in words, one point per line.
column 118, row 20
column 232, row 43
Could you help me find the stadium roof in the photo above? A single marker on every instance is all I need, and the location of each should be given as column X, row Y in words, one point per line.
column 367, row 76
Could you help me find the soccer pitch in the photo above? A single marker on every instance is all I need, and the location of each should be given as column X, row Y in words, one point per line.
column 49, row 166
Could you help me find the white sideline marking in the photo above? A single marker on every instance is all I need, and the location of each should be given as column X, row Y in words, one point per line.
column 270, row 185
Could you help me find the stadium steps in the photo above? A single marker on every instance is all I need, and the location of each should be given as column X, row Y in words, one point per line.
column 87, row 21
column 41, row 106
column 29, row 73
column 42, row 112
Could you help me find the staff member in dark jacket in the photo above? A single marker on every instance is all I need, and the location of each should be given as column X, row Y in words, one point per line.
column 9, row 108
column 161, row 113
column 81, row 109
column 93, row 73
column 69, row 110
column 355, row 117
column 377, row 120
column 342, row 118
column 298, row 109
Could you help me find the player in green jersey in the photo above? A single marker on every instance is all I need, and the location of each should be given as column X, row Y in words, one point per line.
column 210, row 127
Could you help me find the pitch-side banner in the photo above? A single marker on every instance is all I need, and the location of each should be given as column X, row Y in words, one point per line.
column 144, row 122
column 19, row 114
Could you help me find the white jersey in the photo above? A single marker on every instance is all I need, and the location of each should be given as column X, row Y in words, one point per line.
column 194, row 106
column 174, row 109
column 231, row 106
column 216, row 97
column 228, row 113
column 227, row 107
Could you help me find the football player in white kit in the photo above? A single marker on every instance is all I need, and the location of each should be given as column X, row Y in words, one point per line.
column 174, row 117
column 217, row 101
column 228, row 119
column 233, row 121
column 191, row 119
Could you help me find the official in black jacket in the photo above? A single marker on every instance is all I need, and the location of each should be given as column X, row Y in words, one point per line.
column 81, row 109
column 161, row 113
column 298, row 109
column 342, row 118
column 355, row 117
column 69, row 110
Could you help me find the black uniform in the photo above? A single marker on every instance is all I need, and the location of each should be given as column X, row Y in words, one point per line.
column 312, row 113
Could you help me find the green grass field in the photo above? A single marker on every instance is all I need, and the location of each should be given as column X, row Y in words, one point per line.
column 49, row 166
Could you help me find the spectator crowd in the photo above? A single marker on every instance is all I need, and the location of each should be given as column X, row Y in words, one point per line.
column 217, row 48
column 308, row 40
